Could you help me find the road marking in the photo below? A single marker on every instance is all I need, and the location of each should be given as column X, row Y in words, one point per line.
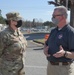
column 28, row 66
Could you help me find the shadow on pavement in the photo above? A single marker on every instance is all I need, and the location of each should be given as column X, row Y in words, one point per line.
column 38, row 49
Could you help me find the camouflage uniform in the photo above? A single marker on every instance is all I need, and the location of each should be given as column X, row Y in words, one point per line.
column 12, row 50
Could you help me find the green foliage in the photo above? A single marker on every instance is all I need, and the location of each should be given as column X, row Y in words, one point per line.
column 64, row 3
column 47, row 23
column 2, row 20
column 61, row 2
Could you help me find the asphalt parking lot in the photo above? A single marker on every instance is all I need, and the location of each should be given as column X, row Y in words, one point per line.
column 35, row 59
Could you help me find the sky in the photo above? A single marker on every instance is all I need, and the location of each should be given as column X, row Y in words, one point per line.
column 39, row 10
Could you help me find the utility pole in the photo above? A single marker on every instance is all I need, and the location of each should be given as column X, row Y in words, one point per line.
column 72, row 13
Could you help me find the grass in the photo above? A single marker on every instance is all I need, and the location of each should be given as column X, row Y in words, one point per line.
column 40, row 41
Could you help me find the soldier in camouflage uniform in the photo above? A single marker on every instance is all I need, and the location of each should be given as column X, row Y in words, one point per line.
column 12, row 47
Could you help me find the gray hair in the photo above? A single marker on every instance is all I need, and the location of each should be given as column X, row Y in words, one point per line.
column 62, row 10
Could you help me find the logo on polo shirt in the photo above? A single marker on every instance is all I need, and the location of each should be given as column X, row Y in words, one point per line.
column 60, row 36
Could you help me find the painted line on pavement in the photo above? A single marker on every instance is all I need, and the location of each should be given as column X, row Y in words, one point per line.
column 35, row 66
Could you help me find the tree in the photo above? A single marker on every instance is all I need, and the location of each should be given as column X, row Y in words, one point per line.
column 67, row 3
column 2, row 20
column 0, row 13
column 47, row 23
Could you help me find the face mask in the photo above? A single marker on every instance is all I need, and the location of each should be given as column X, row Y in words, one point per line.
column 55, row 21
column 19, row 23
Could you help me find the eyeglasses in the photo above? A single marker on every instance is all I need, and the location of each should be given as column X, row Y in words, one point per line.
column 56, row 15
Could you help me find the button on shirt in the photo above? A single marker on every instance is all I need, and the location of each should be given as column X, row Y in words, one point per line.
column 64, row 37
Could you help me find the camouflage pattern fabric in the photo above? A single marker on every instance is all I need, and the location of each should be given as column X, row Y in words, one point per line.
column 12, row 48
column 13, row 16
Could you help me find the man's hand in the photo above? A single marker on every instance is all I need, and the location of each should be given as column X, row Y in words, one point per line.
column 46, row 51
column 59, row 53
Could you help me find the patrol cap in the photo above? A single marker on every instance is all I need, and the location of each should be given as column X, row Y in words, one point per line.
column 13, row 16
